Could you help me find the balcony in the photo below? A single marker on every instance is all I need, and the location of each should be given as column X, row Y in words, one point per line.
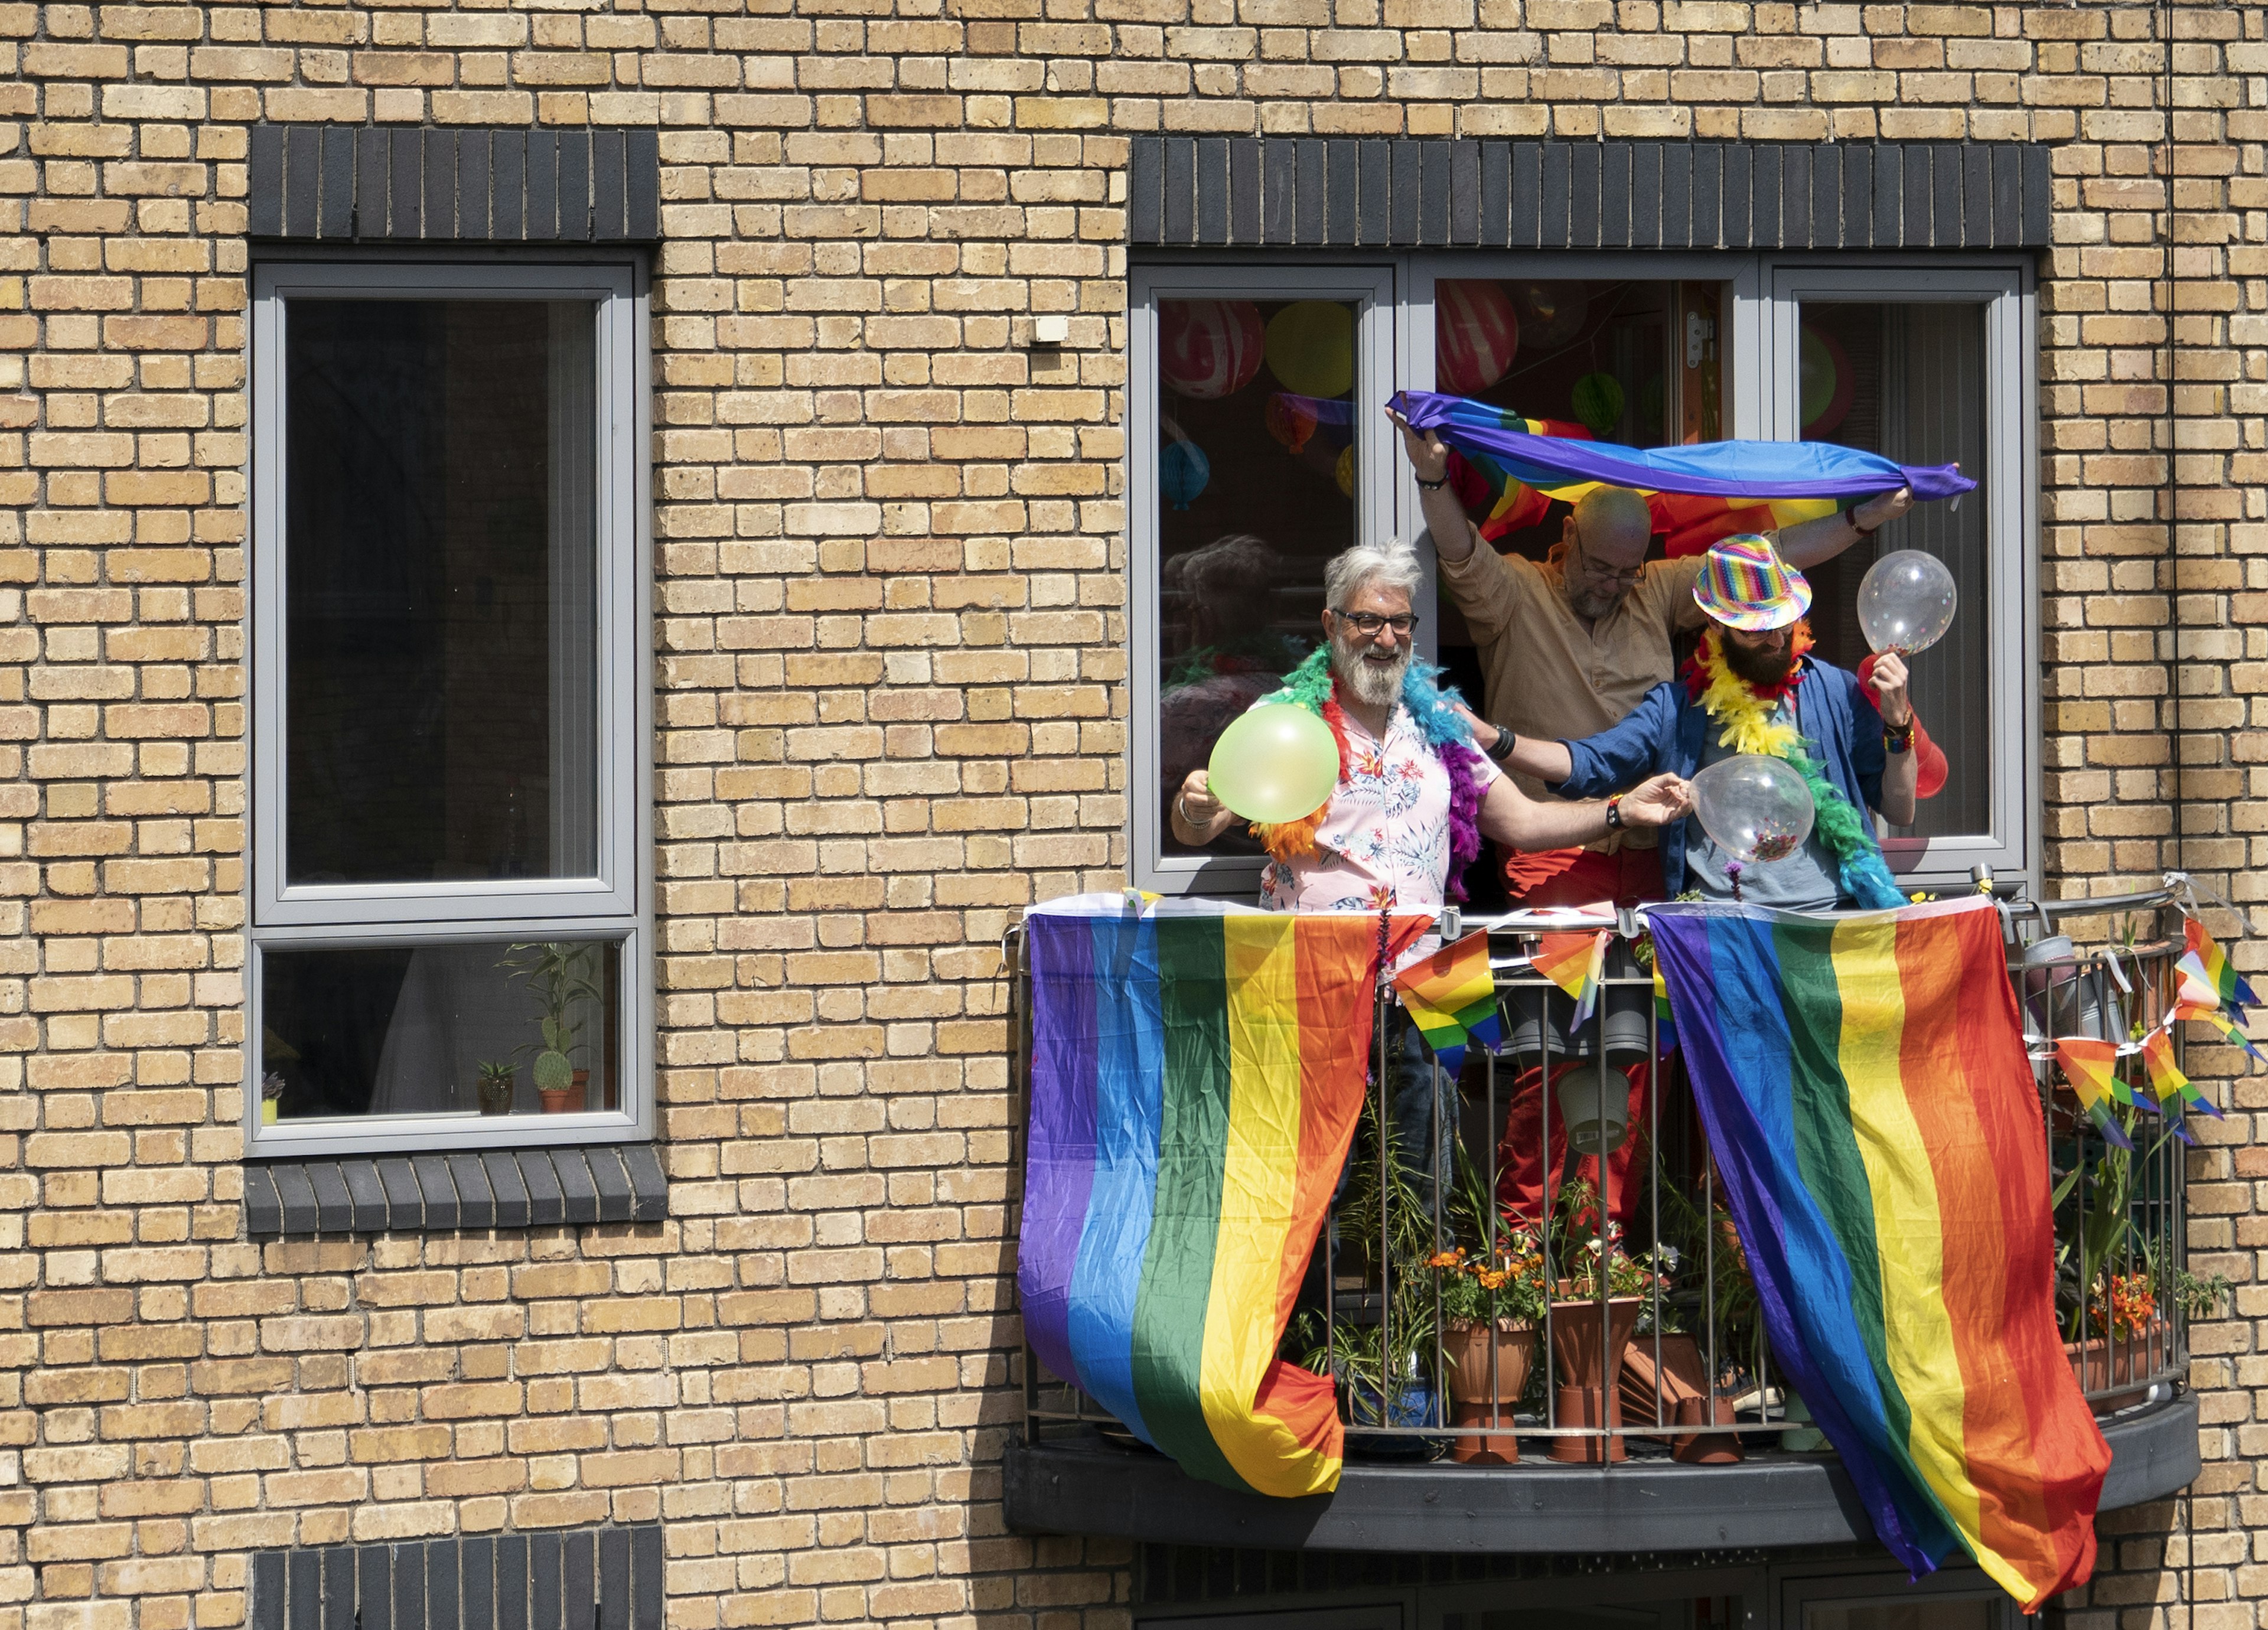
column 1493, row 1443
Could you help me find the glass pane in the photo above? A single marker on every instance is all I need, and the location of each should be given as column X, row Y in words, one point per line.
column 1258, row 478
column 440, row 591
column 1907, row 380
column 1914, row 1613
column 412, row 1029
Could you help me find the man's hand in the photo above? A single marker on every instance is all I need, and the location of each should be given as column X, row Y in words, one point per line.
column 1427, row 456
column 1883, row 506
column 1196, row 804
column 1656, row 803
column 1485, row 733
column 1887, row 682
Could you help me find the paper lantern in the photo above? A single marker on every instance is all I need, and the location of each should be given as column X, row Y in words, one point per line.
column 1826, row 385
column 1476, row 336
column 1311, row 348
column 1291, row 421
column 1344, row 470
column 1550, row 313
column 1597, row 400
column 1208, row 349
column 1182, row 471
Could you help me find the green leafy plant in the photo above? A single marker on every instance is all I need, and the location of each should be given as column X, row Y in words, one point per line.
column 1583, row 1250
column 558, row 973
column 495, row 1073
column 1382, row 1216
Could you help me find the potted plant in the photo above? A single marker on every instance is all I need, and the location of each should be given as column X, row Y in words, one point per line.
column 493, row 1086
column 1595, row 1309
column 559, row 974
column 1382, row 1348
column 1491, row 1299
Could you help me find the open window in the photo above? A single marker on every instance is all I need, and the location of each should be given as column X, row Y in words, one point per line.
column 448, row 898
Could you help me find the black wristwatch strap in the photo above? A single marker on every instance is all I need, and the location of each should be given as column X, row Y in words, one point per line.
column 1501, row 751
column 1433, row 486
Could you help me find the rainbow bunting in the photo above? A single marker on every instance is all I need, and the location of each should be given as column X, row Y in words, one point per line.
column 2173, row 1089
column 1451, row 996
column 1197, row 1073
column 1575, row 963
column 1697, row 494
column 1665, row 1022
column 2207, row 979
column 2091, row 1066
column 1865, row 1089
column 2231, row 1031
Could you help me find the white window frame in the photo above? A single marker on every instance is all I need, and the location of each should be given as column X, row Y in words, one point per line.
column 616, row 903
column 2011, row 846
column 1378, row 489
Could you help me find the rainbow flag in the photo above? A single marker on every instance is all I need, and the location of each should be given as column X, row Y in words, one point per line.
column 1866, row 1095
column 1451, row 996
column 1575, row 963
column 2091, row 1066
column 1197, row 1073
column 1697, row 494
column 2230, row 1030
column 2174, row 1090
column 2207, row 979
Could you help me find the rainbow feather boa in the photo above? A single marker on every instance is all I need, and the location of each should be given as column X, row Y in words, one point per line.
column 1311, row 686
column 1748, row 726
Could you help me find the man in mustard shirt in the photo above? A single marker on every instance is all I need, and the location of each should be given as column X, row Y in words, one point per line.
column 1569, row 646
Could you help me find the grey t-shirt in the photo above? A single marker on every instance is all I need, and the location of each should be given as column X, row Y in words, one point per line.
column 1806, row 881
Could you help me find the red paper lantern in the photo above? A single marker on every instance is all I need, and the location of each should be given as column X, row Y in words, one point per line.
column 1209, row 349
column 1476, row 336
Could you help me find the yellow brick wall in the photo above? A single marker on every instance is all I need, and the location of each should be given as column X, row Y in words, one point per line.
column 890, row 609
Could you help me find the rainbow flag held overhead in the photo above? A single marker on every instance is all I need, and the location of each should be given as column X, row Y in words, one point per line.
column 1864, row 1084
column 2208, row 981
column 2091, row 1066
column 1698, row 494
column 1451, row 996
column 1197, row 1073
column 1575, row 963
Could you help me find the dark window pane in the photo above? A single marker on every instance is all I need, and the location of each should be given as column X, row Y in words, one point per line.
column 440, row 591
column 1907, row 380
column 404, row 1030
column 1256, row 476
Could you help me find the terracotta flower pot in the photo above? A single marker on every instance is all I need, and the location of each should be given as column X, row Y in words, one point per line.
column 566, row 1100
column 1678, row 1395
column 2114, row 1361
column 1586, row 1349
column 1477, row 1404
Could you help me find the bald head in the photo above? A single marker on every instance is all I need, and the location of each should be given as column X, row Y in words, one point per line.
column 1605, row 543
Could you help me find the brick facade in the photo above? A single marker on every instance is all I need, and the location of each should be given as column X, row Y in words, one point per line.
column 890, row 607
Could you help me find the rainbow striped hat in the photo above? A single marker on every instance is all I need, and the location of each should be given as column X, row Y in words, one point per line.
column 1744, row 584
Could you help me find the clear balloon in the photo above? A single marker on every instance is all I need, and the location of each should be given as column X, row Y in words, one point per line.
column 1275, row 763
column 1906, row 601
column 1755, row 808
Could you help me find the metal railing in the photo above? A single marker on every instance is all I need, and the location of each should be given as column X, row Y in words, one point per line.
column 1677, row 1363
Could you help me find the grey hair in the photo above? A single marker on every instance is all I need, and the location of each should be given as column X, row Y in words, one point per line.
column 1395, row 565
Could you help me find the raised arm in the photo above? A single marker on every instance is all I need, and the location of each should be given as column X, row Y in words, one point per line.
column 1455, row 535
column 1808, row 543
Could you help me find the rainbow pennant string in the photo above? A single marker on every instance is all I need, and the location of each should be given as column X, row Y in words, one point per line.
column 2091, row 1066
column 2209, row 982
column 1197, row 1073
column 2174, row 1090
column 1575, row 963
column 1451, row 996
column 1866, row 1095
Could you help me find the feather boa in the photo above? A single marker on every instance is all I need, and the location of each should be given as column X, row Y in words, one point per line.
column 1311, row 686
column 1744, row 713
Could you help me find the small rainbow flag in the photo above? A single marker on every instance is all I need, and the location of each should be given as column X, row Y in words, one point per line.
column 2231, row 1031
column 2208, row 979
column 2091, row 1066
column 1197, row 1073
column 1575, row 963
column 1451, row 996
column 1697, row 494
column 1866, row 1095
column 1665, row 1022
column 2172, row 1087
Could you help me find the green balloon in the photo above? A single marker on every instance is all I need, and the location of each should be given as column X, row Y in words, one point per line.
column 1275, row 763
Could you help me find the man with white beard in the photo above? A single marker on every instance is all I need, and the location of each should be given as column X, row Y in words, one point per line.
column 1414, row 795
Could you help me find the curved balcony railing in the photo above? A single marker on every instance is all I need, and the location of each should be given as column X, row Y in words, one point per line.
column 1517, row 1185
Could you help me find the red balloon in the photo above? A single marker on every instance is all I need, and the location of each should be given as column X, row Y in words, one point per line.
column 1476, row 336
column 1209, row 349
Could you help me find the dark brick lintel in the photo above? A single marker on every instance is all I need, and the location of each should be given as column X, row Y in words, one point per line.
column 497, row 1189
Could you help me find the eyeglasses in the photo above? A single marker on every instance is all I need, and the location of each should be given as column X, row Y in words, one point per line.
column 1582, row 558
column 1368, row 622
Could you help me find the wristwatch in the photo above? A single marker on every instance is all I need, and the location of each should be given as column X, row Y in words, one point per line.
column 1434, row 486
column 1615, row 812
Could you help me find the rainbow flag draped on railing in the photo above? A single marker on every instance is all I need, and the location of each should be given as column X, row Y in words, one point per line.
column 1197, row 1073
column 1697, row 494
column 1867, row 1099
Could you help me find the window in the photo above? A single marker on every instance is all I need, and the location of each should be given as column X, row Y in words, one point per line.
column 1245, row 474
column 448, row 887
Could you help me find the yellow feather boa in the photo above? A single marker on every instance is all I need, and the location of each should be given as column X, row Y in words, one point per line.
column 1745, row 724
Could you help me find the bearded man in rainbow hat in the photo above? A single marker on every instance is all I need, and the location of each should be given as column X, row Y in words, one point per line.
column 1750, row 688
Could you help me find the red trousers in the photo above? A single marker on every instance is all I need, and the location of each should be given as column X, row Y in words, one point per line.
column 1521, row 1162
column 1583, row 876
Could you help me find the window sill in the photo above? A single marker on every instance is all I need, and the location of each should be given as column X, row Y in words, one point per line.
column 430, row 1193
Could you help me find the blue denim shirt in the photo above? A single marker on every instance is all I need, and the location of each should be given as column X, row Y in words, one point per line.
column 1663, row 732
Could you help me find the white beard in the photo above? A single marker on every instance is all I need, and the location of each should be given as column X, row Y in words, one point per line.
column 1375, row 684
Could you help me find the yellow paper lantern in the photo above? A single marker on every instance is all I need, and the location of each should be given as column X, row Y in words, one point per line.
column 1311, row 348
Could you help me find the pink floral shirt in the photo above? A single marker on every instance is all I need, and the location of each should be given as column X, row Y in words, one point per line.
column 1385, row 838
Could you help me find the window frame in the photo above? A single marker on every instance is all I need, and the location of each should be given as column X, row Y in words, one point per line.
column 2004, row 286
column 1380, row 484
column 616, row 903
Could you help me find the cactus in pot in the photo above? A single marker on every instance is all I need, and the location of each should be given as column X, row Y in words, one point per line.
column 559, row 974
